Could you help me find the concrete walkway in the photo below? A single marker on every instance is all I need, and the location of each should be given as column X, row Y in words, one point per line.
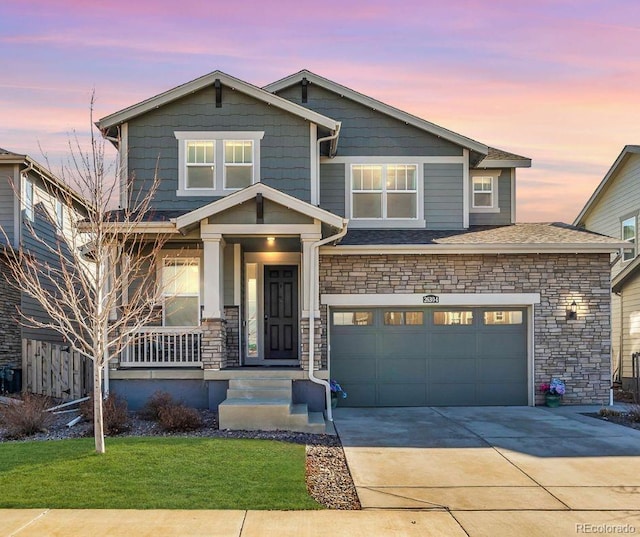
column 495, row 468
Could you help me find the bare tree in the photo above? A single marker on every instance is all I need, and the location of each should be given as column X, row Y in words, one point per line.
column 85, row 297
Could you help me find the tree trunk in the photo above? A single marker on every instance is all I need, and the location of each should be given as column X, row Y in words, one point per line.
column 98, row 423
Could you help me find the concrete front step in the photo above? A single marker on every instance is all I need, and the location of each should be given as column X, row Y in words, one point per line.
column 265, row 404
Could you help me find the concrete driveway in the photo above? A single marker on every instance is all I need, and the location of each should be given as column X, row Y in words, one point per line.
column 495, row 469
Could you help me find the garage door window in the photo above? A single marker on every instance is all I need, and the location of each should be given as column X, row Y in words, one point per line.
column 502, row 317
column 448, row 318
column 353, row 318
column 408, row 318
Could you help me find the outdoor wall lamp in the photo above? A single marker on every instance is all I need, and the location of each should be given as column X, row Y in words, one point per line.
column 572, row 312
column 271, row 241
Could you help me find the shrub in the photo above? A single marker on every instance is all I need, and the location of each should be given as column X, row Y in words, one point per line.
column 114, row 412
column 609, row 412
column 159, row 400
column 26, row 418
column 179, row 418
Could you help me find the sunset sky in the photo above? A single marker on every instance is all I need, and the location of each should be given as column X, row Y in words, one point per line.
column 556, row 81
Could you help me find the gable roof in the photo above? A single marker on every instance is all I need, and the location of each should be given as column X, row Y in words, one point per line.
column 609, row 177
column 378, row 105
column 106, row 123
column 9, row 157
column 250, row 192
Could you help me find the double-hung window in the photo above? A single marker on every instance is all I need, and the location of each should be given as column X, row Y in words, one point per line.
column 629, row 235
column 217, row 163
column 482, row 192
column 384, row 191
column 59, row 216
column 181, row 291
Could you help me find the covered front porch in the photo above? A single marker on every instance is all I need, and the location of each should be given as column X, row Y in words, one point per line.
column 241, row 318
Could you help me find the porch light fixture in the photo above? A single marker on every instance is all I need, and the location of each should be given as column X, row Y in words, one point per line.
column 271, row 241
column 572, row 312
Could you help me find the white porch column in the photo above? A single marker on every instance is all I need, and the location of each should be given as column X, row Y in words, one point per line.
column 307, row 240
column 213, row 276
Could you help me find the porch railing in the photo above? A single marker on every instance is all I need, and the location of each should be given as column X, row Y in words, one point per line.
column 160, row 346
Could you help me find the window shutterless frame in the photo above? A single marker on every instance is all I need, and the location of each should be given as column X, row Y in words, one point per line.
column 28, row 200
column 629, row 231
column 232, row 157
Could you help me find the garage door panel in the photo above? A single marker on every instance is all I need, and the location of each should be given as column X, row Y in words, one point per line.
column 502, row 394
column 449, row 370
column 454, row 394
column 504, row 369
column 391, row 394
column 409, row 343
column 399, row 369
column 454, row 343
column 362, row 368
column 355, row 341
column 501, row 343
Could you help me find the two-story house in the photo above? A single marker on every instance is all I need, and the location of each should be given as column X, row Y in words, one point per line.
column 613, row 210
column 319, row 233
column 37, row 214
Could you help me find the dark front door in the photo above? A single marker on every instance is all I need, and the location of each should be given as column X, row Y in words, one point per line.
column 281, row 312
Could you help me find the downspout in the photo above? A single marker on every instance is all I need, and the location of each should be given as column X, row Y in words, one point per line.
column 312, row 316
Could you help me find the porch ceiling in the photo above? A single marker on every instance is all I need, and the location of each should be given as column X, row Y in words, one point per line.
column 260, row 244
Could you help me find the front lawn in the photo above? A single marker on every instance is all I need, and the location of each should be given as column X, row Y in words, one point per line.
column 154, row 473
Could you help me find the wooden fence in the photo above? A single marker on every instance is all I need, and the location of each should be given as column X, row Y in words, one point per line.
column 55, row 370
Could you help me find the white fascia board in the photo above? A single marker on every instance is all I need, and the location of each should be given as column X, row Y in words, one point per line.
column 380, row 106
column 444, row 299
column 208, row 80
column 140, row 227
column 449, row 249
column 497, row 163
column 609, row 176
column 250, row 192
column 392, row 160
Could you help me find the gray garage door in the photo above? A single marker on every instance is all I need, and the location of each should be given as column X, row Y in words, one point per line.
column 430, row 356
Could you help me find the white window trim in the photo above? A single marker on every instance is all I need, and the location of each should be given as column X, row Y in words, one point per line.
column 187, row 255
column 494, row 176
column 417, row 222
column 226, row 164
column 218, row 137
column 28, row 205
column 634, row 241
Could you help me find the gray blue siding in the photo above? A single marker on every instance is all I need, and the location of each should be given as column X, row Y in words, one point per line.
column 332, row 188
column 368, row 132
column 443, row 195
column 284, row 150
column 7, row 200
column 504, row 202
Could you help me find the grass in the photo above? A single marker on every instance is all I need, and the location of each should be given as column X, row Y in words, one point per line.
column 154, row 473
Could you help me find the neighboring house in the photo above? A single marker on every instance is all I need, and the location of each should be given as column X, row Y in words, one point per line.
column 613, row 210
column 307, row 212
column 37, row 211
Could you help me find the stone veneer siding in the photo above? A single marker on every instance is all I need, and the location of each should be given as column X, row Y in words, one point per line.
column 577, row 351
column 214, row 343
column 232, row 318
column 10, row 341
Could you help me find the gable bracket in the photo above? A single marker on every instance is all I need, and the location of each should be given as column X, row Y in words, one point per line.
column 218, row 85
column 259, row 209
column 304, row 83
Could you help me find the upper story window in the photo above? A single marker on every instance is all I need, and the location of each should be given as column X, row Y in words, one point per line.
column 484, row 192
column 629, row 235
column 217, row 163
column 384, row 191
column 28, row 200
